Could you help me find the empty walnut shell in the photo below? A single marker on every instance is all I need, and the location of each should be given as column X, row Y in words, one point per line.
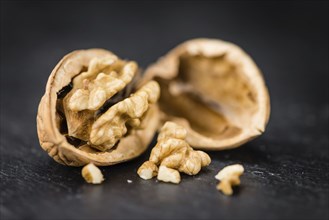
column 215, row 90
column 69, row 144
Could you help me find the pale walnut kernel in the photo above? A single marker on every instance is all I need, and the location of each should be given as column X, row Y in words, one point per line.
column 92, row 114
column 91, row 93
column 92, row 174
column 92, row 89
column 111, row 126
column 229, row 176
column 168, row 175
column 172, row 151
column 148, row 170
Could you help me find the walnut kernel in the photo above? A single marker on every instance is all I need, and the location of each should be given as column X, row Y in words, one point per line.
column 92, row 174
column 107, row 130
column 173, row 152
column 229, row 176
column 168, row 175
column 148, row 170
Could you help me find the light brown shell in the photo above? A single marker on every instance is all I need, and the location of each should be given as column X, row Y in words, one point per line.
column 215, row 90
column 56, row 144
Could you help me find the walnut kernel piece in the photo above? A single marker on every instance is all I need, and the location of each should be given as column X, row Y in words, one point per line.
column 215, row 90
column 105, row 77
column 173, row 152
column 111, row 126
column 148, row 170
column 85, row 89
column 168, row 175
column 229, row 176
column 92, row 88
column 92, row 174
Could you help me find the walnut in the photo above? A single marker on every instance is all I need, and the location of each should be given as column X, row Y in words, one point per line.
column 229, row 176
column 214, row 90
column 172, row 151
column 97, row 110
column 92, row 174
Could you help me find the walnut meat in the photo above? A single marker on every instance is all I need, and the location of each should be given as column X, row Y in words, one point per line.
column 173, row 153
column 229, row 176
column 213, row 89
column 92, row 174
column 168, row 175
column 148, row 170
column 95, row 110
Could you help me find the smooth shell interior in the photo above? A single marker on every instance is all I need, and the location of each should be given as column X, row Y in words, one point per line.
column 223, row 98
column 215, row 90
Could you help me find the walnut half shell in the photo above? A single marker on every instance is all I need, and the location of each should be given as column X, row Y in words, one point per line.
column 96, row 111
column 213, row 89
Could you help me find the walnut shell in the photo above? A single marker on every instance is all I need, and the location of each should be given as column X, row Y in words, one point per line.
column 54, row 141
column 213, row 89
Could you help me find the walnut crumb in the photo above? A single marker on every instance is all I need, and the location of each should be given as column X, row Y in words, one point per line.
column 229, row 176
column 92, row 174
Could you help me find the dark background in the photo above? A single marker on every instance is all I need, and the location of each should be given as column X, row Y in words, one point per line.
column 286, row 168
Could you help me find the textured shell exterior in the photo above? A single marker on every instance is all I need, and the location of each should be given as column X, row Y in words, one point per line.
column 52, row 141
column 240, row 118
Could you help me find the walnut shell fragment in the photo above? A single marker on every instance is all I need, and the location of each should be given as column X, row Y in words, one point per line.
column 213, row 89
column 96, row 110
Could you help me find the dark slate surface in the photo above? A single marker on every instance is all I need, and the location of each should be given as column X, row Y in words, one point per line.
column 286, row 168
